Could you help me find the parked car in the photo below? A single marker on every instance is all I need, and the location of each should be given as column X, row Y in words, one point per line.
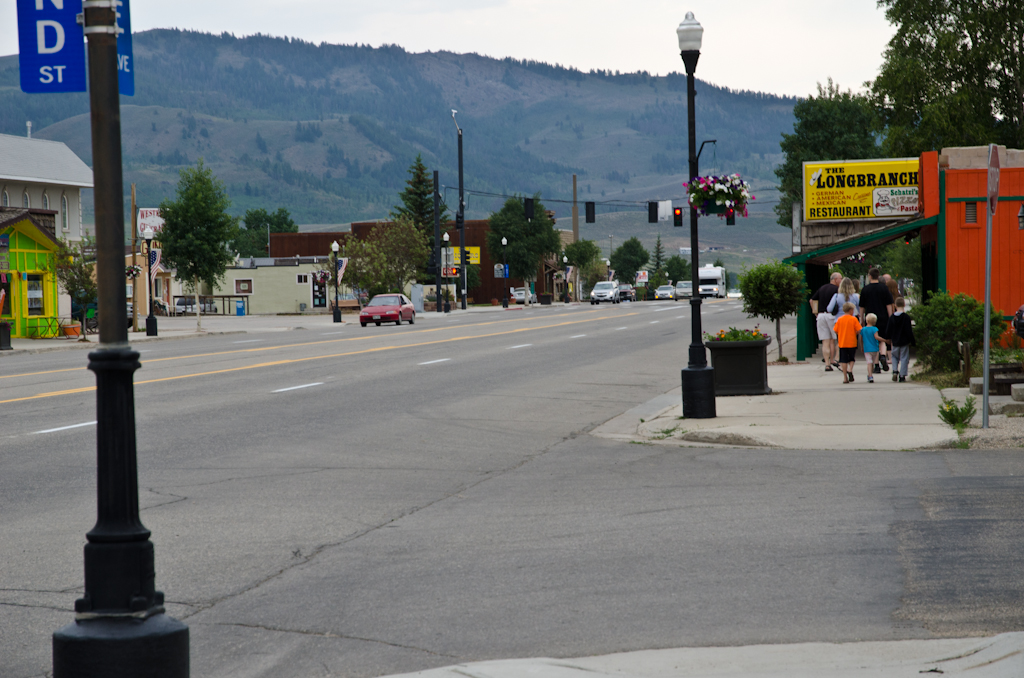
column 626, row 292
column 520, row 296
column 387, row 308
column 184, row 305
column 684, row 289
column 665, row 292
column 606, row 290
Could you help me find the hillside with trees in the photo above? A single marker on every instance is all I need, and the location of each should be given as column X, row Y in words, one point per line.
column 328, row 132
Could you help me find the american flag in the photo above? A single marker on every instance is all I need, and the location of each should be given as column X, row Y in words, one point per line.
column 154, row 262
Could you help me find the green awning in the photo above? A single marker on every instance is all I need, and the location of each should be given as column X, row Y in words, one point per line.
column 826, row 255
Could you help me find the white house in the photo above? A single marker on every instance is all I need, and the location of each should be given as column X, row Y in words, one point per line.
column 41, row 174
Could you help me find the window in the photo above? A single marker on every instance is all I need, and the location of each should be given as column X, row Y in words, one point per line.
column 243, row 286
column 46, row 201
column 34, row 293
column 5, row 285
column 5, row 200
column 970, row 212
column 25, row 200
column 302, row 279
column 64, row 213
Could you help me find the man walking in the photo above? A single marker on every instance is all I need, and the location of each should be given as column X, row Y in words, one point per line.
column 875, row 298
column 824, row 320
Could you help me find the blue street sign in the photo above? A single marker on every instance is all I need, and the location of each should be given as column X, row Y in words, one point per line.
column 51, row 46
column 125, row 60
column 506, row 270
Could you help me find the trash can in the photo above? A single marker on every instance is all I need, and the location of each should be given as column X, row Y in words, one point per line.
column 5, row 337
column 240, row 307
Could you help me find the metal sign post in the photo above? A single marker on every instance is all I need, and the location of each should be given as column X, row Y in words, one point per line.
column 993, row 200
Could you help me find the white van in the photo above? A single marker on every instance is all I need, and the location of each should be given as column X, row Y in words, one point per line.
column 712, row 281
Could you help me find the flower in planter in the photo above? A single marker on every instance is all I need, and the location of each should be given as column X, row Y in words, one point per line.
column 321, row 277
column 728, row 191
column 132, row 272
column 733, row 334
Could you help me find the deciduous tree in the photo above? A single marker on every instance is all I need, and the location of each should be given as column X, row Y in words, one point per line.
column 628, row 258
column 528, row 241
column 252, row 238
column 75, row 274
column 834, row 125
column 197, row 231
column 677, row 268
column 953, row 75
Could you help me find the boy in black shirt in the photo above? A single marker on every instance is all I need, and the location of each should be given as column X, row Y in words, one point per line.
column 901, row 336
column 875, row 298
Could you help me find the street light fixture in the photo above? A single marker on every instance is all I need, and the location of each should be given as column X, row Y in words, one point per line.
column 504, row 263
column 565, row 261
column 150, row 319
column 698, row 378
column 337, row 309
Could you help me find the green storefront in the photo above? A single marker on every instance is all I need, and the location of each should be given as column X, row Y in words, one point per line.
column 29, row 285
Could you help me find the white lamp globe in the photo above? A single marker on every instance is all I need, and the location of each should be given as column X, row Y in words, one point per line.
column 690, row 33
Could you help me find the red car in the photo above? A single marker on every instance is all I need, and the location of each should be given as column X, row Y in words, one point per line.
column 388, row 308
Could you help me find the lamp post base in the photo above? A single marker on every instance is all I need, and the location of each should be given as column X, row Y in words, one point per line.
column 155, row 647
column 699, row 392
column 504, row 302
column 151, row 326
column 337, row 314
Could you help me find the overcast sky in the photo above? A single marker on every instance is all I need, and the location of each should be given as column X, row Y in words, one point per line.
column 782, row 47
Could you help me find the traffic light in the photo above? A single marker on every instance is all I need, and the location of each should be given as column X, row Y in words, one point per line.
column 677, row 216
column 460, row 222
column 589, row 208
column 528, row 207
column 432, row 265
column 730, row 217
column 652, row 212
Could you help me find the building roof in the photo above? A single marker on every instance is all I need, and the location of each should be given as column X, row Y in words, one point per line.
column 41, row 161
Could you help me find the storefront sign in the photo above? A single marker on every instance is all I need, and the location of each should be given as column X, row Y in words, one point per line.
column 150, row 217
column 845, row 190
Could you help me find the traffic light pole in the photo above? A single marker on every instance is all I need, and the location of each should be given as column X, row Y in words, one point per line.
column 120, row 628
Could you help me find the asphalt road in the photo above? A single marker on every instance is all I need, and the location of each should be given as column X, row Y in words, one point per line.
column 361, row 502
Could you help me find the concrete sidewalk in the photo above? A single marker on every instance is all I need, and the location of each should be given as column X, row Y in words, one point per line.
column 808, row 409
column 1000, row 656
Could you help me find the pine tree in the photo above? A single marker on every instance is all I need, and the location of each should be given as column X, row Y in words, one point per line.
column 418, row 199
column 658, row 258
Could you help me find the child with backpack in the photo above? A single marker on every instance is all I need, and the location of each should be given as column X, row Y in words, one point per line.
column 901, row 337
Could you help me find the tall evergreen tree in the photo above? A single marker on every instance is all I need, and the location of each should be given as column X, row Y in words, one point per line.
column 658, row 257
column 418, row 199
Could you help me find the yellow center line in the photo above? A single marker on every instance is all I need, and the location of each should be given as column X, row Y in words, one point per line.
column 290, row 361
column 282, row 346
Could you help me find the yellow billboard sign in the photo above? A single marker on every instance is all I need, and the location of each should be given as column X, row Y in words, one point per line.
column 845, row 190
column 455, row 255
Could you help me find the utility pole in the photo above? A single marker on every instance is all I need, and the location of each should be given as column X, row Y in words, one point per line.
column 120, row 628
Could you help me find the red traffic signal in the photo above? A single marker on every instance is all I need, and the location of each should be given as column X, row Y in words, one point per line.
column 730, row 217
column 677, row 216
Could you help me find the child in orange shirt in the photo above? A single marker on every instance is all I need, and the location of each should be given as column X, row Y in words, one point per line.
column 848, row 332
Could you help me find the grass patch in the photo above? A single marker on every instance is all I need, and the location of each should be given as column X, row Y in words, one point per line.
column 665, row 433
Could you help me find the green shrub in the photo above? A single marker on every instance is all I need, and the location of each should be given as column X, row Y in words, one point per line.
column 945, row 320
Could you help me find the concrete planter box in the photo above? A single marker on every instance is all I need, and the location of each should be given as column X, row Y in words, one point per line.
column 741, row 367
column 545, row 299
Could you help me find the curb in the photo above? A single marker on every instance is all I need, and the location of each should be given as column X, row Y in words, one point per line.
column 81, row 345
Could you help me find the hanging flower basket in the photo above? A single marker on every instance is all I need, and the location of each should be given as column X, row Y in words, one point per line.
column 718, row 194
column 321, row 277
column 132, row 272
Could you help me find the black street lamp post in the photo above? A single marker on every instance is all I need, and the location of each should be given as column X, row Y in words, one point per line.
column 150, row 319
column 447, row 303
column 460, row 221
column 120, row 627
column 504, row 270
column 697, row 377
column 337, row 309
